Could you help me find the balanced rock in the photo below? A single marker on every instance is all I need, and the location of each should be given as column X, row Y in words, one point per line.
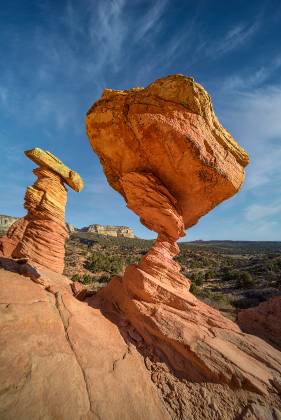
column 40, row 236
column 168, row 129
column 165, row 151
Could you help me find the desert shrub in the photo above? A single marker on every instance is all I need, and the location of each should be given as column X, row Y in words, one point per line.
column 112, row 264
column 83, row 278
column 197, row 278
column 103, row 279
column 194, row 289
column 210, row 275
column 245, row 280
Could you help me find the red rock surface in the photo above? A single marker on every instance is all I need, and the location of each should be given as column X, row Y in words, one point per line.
column 263, row 320
column 69, row 360
column 60, row 359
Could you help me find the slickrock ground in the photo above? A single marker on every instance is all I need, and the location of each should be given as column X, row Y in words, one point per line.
column 263, row 320
column 61, row 359
column 41, row 234
column 65, row 359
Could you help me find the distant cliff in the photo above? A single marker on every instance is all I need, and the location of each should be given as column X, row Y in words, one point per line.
column 106, row 230
column 6, row 222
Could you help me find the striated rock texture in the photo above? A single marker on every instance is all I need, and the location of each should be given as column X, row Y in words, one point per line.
column 48, row 160
column 40, row 236
column 263, row 320
column 168, row 129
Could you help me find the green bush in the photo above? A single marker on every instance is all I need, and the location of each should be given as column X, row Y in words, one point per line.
column 112, row 264
column 197, row 278
column 245, row 280
column 83, row 278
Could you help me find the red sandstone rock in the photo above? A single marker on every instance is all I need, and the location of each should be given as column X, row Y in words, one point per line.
column 45, row 234
column 164, row 150
column 60, row 359
column 263, row 320
column 14, row 235
column 157, row 208
column 168, row 129
column 79, row 290
column 40, row 236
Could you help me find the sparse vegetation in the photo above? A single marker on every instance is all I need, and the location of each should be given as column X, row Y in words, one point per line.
column 225, row 274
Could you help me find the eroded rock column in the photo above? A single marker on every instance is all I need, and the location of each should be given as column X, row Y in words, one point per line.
column 40, row 236
column 45, row 233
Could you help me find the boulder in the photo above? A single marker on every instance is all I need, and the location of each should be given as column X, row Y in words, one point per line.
column 263, row 320
column 168, row 129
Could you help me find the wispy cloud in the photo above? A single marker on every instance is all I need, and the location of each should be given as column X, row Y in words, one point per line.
column 235, row 37
column 150, row 20
column 253, row 78
column 253, row 117
column 260, row 212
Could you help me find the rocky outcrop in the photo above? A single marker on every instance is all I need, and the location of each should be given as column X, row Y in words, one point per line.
column 66, row 361
column 40, row 236
column 108, row 230
column 6, row 222
column 177, row 163
column 263, row 320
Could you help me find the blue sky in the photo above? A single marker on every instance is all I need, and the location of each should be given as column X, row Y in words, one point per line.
column 58, row 56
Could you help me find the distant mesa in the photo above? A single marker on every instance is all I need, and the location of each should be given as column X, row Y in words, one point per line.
column 6, row 222
column 103, row 230
column 109, row 230
column 40, row 235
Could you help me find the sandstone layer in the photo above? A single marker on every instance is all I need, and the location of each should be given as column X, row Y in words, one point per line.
column 48, row 160
column 263, row 320
column 168, row 129
column 40, row 236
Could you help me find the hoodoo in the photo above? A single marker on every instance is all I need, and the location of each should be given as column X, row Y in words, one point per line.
column 164, row 150
column 40, row 236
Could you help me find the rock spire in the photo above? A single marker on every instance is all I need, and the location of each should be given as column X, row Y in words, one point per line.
column 41, row 234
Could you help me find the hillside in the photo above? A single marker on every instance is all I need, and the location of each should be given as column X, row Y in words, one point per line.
column 228, row 275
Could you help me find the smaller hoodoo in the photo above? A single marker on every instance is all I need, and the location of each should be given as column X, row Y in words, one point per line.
column 40, row 235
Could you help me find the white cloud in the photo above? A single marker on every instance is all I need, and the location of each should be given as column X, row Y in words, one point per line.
column 235, row 37
column 254, row 120
column 150, row 20
column 259, row 212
